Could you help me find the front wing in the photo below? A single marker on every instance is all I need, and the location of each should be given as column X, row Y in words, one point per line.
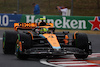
column 50, row 51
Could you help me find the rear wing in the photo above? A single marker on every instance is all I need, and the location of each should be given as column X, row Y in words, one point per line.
column 24, row 26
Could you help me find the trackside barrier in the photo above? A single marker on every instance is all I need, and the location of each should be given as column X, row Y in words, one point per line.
column 60, row 22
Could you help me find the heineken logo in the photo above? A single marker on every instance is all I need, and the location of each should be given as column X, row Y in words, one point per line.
column 95, row 23
column 63, row 22
column 68, row 22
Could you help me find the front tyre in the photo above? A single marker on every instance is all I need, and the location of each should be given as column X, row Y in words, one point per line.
column 79, row 56
column 21, row 56
column 23, row 43
column 19, row 53
column 81, row 42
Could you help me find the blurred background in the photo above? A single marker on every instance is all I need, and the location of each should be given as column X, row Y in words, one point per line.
column 48, row 7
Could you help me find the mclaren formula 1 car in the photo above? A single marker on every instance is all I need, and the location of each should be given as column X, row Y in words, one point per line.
column 28, row 39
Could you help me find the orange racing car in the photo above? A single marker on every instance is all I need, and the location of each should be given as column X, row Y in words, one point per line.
column 35, row 39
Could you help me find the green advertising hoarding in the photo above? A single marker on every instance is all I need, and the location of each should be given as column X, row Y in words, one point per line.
column 66, row 22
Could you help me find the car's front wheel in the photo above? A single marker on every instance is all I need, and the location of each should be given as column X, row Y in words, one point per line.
column 81, row 42
column 23, row 43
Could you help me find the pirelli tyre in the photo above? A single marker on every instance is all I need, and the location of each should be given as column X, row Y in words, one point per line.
column 9, row 42
column 81, row 42
column 23, row 42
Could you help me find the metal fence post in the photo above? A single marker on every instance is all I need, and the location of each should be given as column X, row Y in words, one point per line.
column 98, row 4
column 71, row 7
column 17, row 6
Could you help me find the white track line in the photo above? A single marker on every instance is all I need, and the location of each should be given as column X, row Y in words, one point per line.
column 75, row 65
column 44, row 61
column 63, row 64
column 1, row 38
column 69, row 62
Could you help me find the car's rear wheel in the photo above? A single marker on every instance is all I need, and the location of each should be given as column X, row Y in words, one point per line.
column 9, row 42
column 81, row 42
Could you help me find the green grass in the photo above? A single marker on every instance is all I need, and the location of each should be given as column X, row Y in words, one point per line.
column 48, row 7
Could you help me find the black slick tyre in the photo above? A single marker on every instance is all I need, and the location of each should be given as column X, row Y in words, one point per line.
column 79, row 56
column 9, row 42
column 25, row 41
column 81, row 42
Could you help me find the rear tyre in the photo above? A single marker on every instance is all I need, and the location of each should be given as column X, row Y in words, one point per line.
column 81, row 42
column 9, row 42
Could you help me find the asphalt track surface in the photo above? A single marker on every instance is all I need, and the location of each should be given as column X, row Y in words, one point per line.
column 12, row 61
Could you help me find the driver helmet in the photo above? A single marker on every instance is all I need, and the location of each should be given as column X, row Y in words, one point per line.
column 42, row 23
column 44, row 30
